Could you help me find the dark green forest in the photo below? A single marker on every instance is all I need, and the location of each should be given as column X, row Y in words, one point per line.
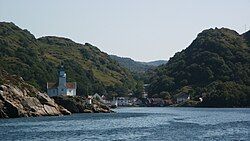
column 216, row 67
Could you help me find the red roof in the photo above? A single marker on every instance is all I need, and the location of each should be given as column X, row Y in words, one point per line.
column 69, row 85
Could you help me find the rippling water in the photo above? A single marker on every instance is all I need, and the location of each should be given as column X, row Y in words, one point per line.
column 134, row 124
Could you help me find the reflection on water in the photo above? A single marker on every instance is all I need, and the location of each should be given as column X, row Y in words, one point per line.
column 134, row 124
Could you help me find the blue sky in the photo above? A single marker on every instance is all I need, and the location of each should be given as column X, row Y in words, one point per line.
column 144, row 30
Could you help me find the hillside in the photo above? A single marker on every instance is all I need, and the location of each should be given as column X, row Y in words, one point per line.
column 136, row 66
column 216, row 67
column 156, row 63
column 37, row 61
column 130, row 64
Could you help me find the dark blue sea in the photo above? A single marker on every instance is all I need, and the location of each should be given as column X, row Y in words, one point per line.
column 135, row 124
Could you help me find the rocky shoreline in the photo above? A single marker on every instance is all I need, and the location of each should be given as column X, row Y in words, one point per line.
column 78, row 104
column 19, row 99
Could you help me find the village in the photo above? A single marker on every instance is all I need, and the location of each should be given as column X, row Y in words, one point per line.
column 64, row 88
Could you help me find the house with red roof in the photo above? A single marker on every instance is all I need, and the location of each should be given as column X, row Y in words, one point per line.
column 62, row 87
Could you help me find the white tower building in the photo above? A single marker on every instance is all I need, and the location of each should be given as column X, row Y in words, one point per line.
column 62, row 87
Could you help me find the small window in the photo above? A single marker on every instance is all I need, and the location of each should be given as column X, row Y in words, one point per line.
column 62, row 89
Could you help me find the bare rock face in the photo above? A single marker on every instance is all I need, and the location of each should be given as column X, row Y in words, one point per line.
column 78, row 104
column 19, row 99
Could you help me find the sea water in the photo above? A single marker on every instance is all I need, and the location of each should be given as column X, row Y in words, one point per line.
column 140, row 123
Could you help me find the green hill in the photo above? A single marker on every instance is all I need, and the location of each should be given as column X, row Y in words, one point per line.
column 130, row 64
column 37, row 61
column 156, row 63
column 216, row 66
column 136, row 66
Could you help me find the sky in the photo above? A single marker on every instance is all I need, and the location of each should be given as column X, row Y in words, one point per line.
column 144, row 30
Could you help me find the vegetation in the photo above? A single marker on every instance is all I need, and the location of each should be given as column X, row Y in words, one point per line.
column 139, row 70
column 135, row 66
column 37, row 61
column 216, row 66
column 156, row 63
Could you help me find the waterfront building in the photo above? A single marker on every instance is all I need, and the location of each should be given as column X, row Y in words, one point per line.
column 123, row 101
column 183, row 97
column 62, row 87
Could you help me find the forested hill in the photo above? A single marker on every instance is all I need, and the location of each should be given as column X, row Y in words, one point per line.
column 216, row 67
column 156, row 63
column 37, row 61
column 136, row 66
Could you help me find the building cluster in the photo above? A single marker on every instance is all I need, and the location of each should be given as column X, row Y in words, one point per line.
column 62, row 87
column 116, row 102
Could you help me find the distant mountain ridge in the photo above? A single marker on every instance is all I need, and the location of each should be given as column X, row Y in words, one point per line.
column 155, row 63
column 137, row 66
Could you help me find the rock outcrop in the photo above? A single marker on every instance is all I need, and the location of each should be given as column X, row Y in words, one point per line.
column 19, row 99
column 79, row 105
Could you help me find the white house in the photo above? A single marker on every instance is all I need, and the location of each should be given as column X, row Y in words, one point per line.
column 62, row 87
column 98, row 97
column 89, row 100
column 183, row 97
column 135, row 101
column 123, row 101
column 144, row 93
column 114, row 103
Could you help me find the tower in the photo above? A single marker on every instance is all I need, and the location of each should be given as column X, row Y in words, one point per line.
column 62, row 88
column 62, row 77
